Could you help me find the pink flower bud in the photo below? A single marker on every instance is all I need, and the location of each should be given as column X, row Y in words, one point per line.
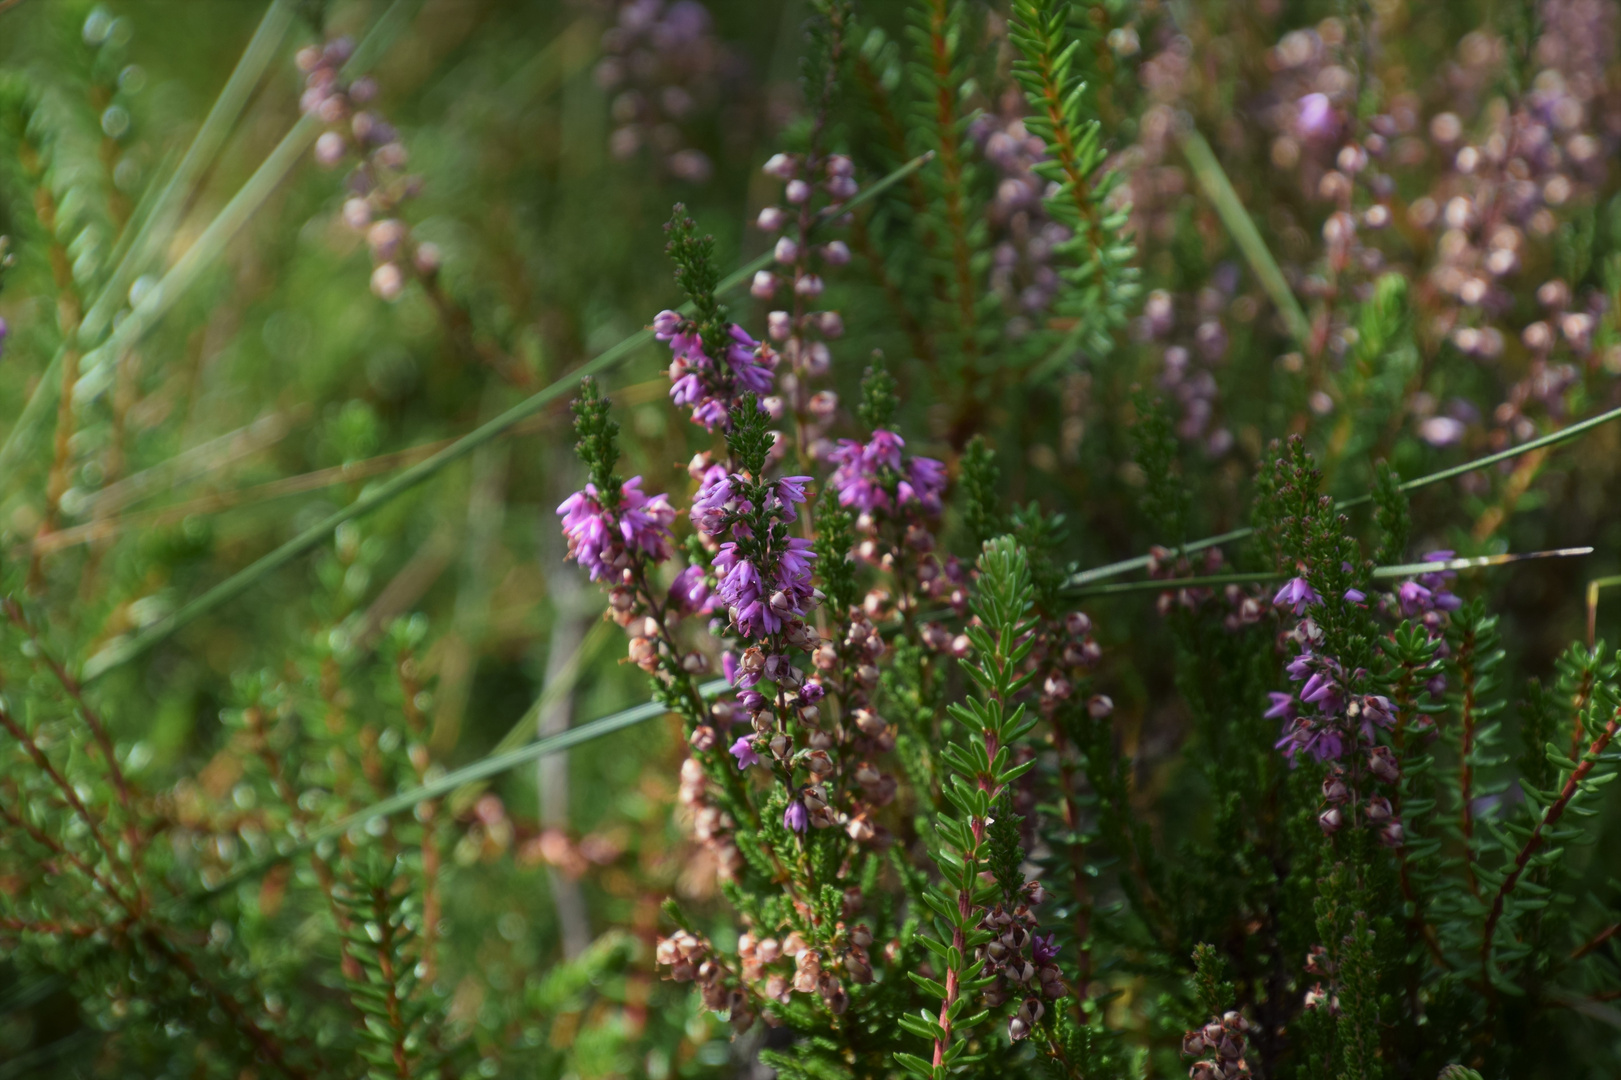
column 427, row 259
column 356, row 213
column 329, row 149
column 384, row 238
column 387, row 282
column 781, row 166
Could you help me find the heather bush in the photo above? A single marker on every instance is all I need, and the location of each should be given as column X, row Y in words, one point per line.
column 854, row 538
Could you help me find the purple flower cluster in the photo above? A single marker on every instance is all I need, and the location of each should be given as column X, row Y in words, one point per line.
column 763, row 580
column 378, row 185
column 1191, row 359
column 710, row 387
column 873, row 477
column 813, row 190
column 1336, row 720
column 664, row 67
column 1428, row 592
column 603, row 540
column 1328, row 715
column 763, row 592
column 1023, row 273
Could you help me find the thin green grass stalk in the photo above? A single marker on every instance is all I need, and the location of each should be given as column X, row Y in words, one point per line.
column 1594, row 587
column 1209, row 173
column 1379, row 573
column 144, row 242
column 123, row 650
column 486, row 767
column 554, row 691
column 1554, row 438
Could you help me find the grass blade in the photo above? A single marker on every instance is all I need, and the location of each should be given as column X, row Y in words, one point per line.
column 1379, row 573
column 1209, row 173
column 199, row 155
column 1553, row 438
column 492, row 765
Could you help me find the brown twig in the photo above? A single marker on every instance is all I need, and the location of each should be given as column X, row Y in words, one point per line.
column 69, row 310
column 1550, row 817
column 45, row 765
column 391, row 996
column 266, row 1043
column 92, row 719
column 1596, row 941
column 459, row 325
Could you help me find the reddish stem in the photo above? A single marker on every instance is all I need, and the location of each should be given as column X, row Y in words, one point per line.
column 1550, row 817
column 1596, row 940
column 965, row 910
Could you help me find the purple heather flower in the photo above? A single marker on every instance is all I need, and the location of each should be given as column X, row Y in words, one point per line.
column 1300, row 667
column 666, row 324
column 812, row 692
column 1322, row 743
column 709, row 505
column 728, row 666
column 689, row 592
column 4, row 329
column 865, row 472
column 1296, row 593
column 697, row 381
column 1043, row 951
column 1414, row 598
column 785, row 494
column 760, row 603
column 1441, row 430
column 1441, row 598
column 743, row 751
column 600, row 539
column 1355, row 596
column 795, row 817
column 928, row 483
column 1320, row 690
column 1377, row 711
column 1314, row 117
column 1282, row 705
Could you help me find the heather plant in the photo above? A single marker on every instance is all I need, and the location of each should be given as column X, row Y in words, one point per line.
column 871, row 538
